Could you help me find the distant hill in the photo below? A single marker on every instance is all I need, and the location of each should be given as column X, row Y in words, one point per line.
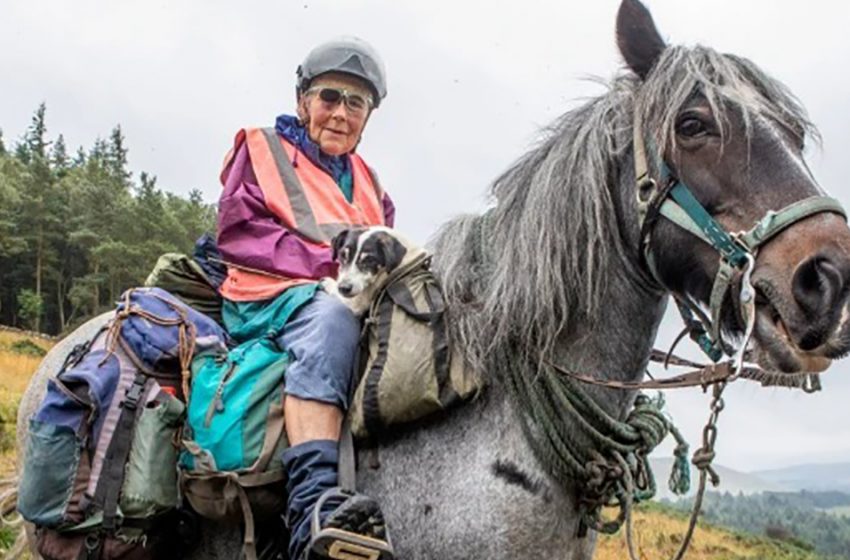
column 732, row 481
column 814, row 477
column 808, row 518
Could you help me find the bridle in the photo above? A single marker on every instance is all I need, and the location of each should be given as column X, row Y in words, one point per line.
column 670, row 198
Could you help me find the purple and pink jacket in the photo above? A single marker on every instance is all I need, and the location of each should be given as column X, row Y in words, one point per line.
column 264, row 254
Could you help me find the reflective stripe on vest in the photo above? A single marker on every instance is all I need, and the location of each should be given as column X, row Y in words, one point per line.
column 304, row 197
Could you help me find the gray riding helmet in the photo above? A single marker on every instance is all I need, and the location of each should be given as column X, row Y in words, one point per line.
column 348, row 55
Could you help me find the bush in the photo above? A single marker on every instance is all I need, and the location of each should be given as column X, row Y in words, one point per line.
column 27, row 347
column 30, row 308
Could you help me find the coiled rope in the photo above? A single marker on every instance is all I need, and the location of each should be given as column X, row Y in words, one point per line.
column 577, row 441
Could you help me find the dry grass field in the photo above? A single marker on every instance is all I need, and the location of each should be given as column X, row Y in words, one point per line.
column 17, row 367
column 19, row 357
column 658, row 532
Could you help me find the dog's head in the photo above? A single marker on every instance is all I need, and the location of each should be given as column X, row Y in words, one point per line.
column 365, row 257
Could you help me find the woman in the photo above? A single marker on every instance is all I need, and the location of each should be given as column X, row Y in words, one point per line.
column 287, row 191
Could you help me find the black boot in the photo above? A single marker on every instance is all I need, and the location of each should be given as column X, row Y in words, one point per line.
column 312, row 470
column 325, row 521
column 355, row 529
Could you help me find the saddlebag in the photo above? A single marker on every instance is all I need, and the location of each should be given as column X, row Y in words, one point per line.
column 410, row 371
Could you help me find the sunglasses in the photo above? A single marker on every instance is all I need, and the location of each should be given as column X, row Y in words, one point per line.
column 356, row 103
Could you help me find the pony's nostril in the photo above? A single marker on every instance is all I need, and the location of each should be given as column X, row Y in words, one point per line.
column 816, row 285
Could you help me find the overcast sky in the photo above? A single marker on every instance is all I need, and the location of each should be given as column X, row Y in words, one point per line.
column 469, row 86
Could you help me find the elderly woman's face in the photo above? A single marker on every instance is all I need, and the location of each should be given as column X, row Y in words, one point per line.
column 335, row 126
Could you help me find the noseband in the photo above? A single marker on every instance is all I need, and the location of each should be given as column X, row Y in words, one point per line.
column 669, row 197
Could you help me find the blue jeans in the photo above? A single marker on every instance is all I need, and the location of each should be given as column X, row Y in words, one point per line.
column 322, row 337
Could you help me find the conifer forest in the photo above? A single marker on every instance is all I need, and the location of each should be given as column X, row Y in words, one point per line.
column 77, row 227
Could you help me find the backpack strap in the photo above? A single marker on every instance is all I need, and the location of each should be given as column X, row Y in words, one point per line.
column 371, row 406
column 112, row 478
column 440, row 344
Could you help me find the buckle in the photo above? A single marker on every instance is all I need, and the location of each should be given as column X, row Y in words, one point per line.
column 339, row 544
column 134, row 393
column 646, row 187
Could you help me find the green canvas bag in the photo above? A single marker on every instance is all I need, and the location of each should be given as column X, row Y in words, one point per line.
column 181, row 276
column 409, row 371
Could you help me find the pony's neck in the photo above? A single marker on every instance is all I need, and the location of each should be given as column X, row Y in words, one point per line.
column 624, row 331
column 619, row 344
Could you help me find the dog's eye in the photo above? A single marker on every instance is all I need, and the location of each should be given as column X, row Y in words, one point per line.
column 367, row 261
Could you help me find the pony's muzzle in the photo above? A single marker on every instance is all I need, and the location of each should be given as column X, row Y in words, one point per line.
column 819, row 287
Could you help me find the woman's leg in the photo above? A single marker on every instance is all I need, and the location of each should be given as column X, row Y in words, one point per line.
column 322, row 338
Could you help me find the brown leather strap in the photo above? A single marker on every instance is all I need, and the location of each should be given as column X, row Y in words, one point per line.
column 702, row 377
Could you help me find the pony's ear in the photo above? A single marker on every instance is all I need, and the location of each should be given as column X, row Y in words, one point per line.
column 638, row 38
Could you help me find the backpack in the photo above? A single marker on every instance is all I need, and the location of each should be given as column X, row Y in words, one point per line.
column 409, row 371
column 230, row 468
column 183, row 276
column 100, row 471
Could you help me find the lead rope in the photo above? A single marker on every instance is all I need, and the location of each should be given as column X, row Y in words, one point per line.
column 704, row 456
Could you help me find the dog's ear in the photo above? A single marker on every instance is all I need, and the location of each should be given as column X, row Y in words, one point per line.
column 391, row 250
column 338, row 242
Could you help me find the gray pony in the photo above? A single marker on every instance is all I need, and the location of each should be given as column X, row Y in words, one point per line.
column 555, row 272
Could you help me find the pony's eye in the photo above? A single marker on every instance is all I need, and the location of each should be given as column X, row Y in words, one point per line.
column 691, row 127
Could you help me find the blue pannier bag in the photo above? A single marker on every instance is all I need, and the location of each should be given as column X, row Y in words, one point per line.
column 100, row 469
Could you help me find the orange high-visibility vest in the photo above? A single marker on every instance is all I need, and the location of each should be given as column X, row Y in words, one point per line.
column 305, row 199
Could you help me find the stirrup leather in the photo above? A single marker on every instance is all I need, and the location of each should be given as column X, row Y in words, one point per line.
column 339, row 544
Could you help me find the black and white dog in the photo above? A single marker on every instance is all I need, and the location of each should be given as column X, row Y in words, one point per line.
column 366, row 257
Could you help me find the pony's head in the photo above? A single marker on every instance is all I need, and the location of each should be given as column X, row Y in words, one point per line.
column 736, row 137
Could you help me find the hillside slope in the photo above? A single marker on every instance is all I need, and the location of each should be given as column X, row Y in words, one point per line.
column 732, row 481
column 659, row 530
column 815, row 477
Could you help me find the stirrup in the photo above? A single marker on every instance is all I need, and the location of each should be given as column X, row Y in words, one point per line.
column 340, row 544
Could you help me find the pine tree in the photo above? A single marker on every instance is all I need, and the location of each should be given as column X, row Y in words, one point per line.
column 59, row 156
column 12, row 175
column 116, row 156
column 39, row 212
column 35, row 138
column 98, row 152
column 80, row 157
column 2, row 145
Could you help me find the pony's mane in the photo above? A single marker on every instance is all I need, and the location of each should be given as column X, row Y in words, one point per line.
column 535, row 268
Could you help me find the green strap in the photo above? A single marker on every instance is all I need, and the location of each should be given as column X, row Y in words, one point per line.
column 775, row 222
column 722, row 282
column 698, row 327
column 720, row 240
column 673, row 212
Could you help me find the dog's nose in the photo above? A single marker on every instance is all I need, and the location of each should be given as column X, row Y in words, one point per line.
column 345, row 289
